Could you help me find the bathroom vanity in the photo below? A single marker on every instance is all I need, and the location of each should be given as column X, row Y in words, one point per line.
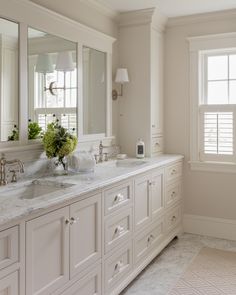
column 88, row 233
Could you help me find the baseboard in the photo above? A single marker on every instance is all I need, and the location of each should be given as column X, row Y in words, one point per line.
column 208, row 226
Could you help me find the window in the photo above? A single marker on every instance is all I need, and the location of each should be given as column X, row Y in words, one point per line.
column 61, row 104
column 213, row 101
column 217, row 106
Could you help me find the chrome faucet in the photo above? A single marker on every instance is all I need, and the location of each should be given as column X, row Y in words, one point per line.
column 3, row 164
column 101, row 156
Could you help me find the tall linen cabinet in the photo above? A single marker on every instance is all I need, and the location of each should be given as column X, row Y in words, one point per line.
column 141, row 107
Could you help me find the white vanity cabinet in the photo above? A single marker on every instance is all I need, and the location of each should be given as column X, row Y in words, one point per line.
column 47, row 248
column 95, row 244
column 61, row 244
column 149, row 198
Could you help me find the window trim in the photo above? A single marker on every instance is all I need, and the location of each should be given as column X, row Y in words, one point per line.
column 197, row 46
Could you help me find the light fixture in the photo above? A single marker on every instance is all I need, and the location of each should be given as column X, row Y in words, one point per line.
column 121, row 78
column 65, row 62
column 44, row 64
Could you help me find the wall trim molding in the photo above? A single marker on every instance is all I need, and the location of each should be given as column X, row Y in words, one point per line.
column 210, row 226
column 101, row 7
column 201, row 17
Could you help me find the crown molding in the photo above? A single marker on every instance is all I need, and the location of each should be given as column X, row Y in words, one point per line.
column 202, row 17
column 102, row 8
column 149, row 16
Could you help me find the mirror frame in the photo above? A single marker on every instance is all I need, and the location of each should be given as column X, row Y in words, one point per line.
column 28, row 14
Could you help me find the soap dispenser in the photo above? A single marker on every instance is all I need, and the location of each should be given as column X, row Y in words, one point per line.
column 140, row 149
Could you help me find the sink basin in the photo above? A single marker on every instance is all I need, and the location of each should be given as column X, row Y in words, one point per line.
column 130, row 163
column 35, row 189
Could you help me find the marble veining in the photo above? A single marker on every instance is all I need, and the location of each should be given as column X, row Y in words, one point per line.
column 161, row 275
column 108, row 173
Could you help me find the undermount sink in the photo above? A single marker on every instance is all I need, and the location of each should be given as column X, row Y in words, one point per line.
column 130, row 163
column 35, row 189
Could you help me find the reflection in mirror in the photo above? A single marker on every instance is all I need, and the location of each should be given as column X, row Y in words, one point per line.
column 52, row 80
column 94, row 91
column 9, row 80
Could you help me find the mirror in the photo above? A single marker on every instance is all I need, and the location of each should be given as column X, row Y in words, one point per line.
column 94, row 91
column 9, row 98
column 52, row 80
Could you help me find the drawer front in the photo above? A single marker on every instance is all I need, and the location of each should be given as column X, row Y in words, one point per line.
column 173, row 172
column 117, row 266
column 173, row 218
column 117, row 197
column 146, row 241
column 157, row 145
column 90, row 284
column 9, row 243
column 9, row 285
column 173, row 193
column 118, row 229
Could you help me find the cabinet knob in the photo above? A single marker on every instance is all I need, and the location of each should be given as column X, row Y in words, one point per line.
column 118, row 230
column 73, row 220
column 173, row 172
column 67, row 221
column 118, row 266
column 118, row 198
column 173, row 194
column 153, row 125
column 173, row 219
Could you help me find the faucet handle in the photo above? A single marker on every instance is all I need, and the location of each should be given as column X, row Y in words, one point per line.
column 14, row 175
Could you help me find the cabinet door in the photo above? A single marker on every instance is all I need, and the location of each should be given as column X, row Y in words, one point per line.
column 142, row 201
column 85, row 234
column 90, row 284
column 47, row 248
column 9, row 284
column 157, row 193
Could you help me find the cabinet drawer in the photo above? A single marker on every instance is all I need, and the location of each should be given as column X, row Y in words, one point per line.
column 118, row 229
column 117, row 266
column 173, row 172
column 9, row 243
column 117, row 197
column 147, row 240
column 157, row 145
column 90, row 284
column 173, row 218
column 9, row 284
column 173, row 193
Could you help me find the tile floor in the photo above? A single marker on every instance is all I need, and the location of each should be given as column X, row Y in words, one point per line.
column 163, row 272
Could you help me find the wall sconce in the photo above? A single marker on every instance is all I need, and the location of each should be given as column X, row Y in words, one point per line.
column 121, row 78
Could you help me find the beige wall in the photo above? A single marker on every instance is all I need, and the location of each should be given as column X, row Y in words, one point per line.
column 206, row 194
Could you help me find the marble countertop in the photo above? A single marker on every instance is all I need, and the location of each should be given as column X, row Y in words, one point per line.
column 13, row 208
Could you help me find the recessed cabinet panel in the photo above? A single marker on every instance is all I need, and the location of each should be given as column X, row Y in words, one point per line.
column 90, row 284
column 148, row 240
column 117, row 266
column 9, row 246
column 118, row 229
column 173, row 172
column 157, row 194
column 173, row 193
column 47, row 249
column 142, row 201
column 85, row 234
column 117, row 197
column 9, row 285
column 173, row 218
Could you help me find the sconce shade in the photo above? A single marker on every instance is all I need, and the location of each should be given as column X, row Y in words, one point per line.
column 44, row 64
column 122, row 76
column 65, row 62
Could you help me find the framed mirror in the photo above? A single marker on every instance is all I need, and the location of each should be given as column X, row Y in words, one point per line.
column 94, row 91
column 9, row 75
column 52, row 82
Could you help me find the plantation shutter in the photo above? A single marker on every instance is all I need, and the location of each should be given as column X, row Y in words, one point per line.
column 217, row 142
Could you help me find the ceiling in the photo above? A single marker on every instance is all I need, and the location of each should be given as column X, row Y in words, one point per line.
column 170, row 8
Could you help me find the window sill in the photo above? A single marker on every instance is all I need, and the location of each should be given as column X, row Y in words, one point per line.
column 221, row 167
